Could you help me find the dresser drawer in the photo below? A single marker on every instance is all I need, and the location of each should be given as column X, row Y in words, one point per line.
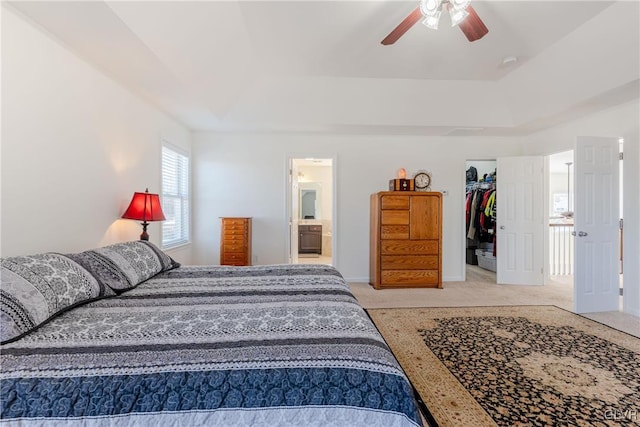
column 394, row 232
column 235, row 228
column 410, row 262
column 230, row 222
column 409, row 247
column 409, row 277
column 394, row 202
column 233, row 234
column 234, row 247
column 234, row 258
column 397, row 217
column 306, row 228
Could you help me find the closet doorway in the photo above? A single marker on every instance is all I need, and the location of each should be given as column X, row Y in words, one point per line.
column 480, row 221
column 311, row 208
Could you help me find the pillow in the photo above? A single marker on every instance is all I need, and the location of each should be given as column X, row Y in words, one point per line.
column 124, row 265
column 37, row 287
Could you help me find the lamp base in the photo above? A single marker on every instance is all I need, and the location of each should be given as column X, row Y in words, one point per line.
column 144, row 235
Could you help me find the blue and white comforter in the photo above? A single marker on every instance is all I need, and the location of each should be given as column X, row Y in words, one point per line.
column 284, row 345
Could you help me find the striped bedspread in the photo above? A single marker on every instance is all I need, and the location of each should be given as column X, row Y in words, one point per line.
column 280, row 345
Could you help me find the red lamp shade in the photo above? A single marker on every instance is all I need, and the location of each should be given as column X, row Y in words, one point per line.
column 144, row 207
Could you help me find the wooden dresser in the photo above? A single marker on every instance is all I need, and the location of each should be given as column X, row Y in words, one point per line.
column 235, row 241
column 406, row 239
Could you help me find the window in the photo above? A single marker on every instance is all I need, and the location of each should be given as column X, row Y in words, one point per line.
column 175, row 196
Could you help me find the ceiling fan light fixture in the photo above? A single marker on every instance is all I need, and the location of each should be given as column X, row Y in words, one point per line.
column 461, row 13
column 460, row 4
column 431, row 7
column 457, row 15
column 432, row 21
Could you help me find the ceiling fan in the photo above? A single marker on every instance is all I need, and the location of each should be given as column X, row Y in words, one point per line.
column 462, row 14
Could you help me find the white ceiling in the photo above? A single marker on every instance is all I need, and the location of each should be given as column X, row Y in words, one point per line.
column 319, row 66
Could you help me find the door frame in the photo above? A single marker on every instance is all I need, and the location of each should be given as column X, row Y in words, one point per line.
column 288, row 220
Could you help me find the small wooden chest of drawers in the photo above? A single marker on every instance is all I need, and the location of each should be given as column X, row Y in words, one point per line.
column 235, row 241
column 406, row 239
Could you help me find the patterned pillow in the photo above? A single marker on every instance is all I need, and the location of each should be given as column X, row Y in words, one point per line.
column 124, row 265
column 37, row 287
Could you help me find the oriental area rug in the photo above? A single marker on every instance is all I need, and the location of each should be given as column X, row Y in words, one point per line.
column 515, row 366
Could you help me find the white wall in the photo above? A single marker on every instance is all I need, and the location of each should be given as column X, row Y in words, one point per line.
column 245, row 175
column 621, row 121
column 75, row 146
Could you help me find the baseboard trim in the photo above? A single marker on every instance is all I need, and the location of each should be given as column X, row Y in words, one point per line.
column 366, row 279
column 357, row 279
column 631, row 311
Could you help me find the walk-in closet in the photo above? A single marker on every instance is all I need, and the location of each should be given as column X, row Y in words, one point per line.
column 480, row 218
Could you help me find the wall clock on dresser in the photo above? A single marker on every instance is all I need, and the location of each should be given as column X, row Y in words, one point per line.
column 422, row 180
column 235, row 241
column 406, row 240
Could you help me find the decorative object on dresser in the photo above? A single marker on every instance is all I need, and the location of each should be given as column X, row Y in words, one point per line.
column 422, row 180
column 144, row 207
column 406, row 240
column 401, row 182
column 235, row 241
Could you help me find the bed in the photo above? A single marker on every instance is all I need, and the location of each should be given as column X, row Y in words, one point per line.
column 143, row 341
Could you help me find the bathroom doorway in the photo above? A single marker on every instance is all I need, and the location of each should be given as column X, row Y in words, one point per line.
column 311, row 208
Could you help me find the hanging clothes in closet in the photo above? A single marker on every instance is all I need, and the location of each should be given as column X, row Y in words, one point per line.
column 481, row 212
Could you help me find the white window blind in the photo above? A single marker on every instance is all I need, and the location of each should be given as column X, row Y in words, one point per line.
column 175, row 197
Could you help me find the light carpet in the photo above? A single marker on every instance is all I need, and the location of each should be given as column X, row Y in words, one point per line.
column 515, row 366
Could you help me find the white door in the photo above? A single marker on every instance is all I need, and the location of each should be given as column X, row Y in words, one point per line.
column 520, row 225
column 596, row 224
column 293, row 212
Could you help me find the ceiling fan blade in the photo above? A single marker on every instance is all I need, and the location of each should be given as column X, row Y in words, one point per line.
column 403, row 27
column 472, row 26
